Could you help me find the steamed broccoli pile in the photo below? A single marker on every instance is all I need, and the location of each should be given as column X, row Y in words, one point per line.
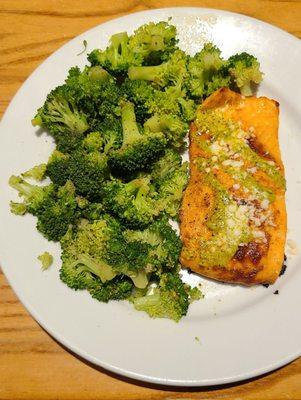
column 116, row 177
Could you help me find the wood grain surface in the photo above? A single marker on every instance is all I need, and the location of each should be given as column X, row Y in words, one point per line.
column 32, row 364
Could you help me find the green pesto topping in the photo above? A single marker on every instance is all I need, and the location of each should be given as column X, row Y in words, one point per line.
column 233, row 136
column 203, row 145
column 229, row 226
column 216, row 124
column 261, row 163
column 246, row 180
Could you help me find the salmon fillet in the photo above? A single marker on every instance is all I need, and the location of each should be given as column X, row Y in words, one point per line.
column 233, row 215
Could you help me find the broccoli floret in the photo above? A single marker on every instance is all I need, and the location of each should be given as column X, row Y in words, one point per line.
column 172, row 126
column 170, row 179
column 154, row 42
column 84, row 253
column 97, row 249
column 93, row 73
column 87, row 170
column 111, row 130
column 57, row 213
column 117, row 57
column 172, row 100
column 171, row 189
column 33, row 195
column 165, row 244
column 168, row 300
column 119, row 288
column 138, row 150
column 57, row 167
column 46, row 260
column 79, row 277
column 93, row 142
column 171, row 72
column 135, row 202
column 141, row 93
column 188, row 108
column 95, row 92
column 37, row 173
column 54, row 207
column 202, row 68
column 90, row 211
column 217, row 81
column 244, row 71
column 148, row 100
column 194, row 293
column 130, row 259
column 62, row 118
column 151, row 43
column 167, row 164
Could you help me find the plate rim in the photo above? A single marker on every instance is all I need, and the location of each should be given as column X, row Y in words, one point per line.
column 59, row 337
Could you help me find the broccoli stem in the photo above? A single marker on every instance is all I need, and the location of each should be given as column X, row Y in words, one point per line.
column 157, row 123
column 139, row 185
column 17, row 208
column 98, row 74
column 149, row 301
column 24, row 188
column 246, row 89
column 118, row 46
column 146, row 73
column 157, row 43
column 99, row 268
column 140, row 279
column 118, row 41
column 38, row 172
column 129, row 124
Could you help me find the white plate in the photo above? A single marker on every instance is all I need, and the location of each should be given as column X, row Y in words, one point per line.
column 243, row 332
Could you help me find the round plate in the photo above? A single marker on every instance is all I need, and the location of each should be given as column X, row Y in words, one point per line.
column 235, row 332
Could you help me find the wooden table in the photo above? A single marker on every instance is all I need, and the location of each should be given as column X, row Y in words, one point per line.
column 32, row 364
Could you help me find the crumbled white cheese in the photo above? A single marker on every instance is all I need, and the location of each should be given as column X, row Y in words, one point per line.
column 215, row 148
column 270, row 222
column 227, row 162
column 258, row 234
column 231, row 223
column 256, row 221
column 233, row 163
column 232, row 208
column 243, row 209
column 236, row 186
column 265, row 204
